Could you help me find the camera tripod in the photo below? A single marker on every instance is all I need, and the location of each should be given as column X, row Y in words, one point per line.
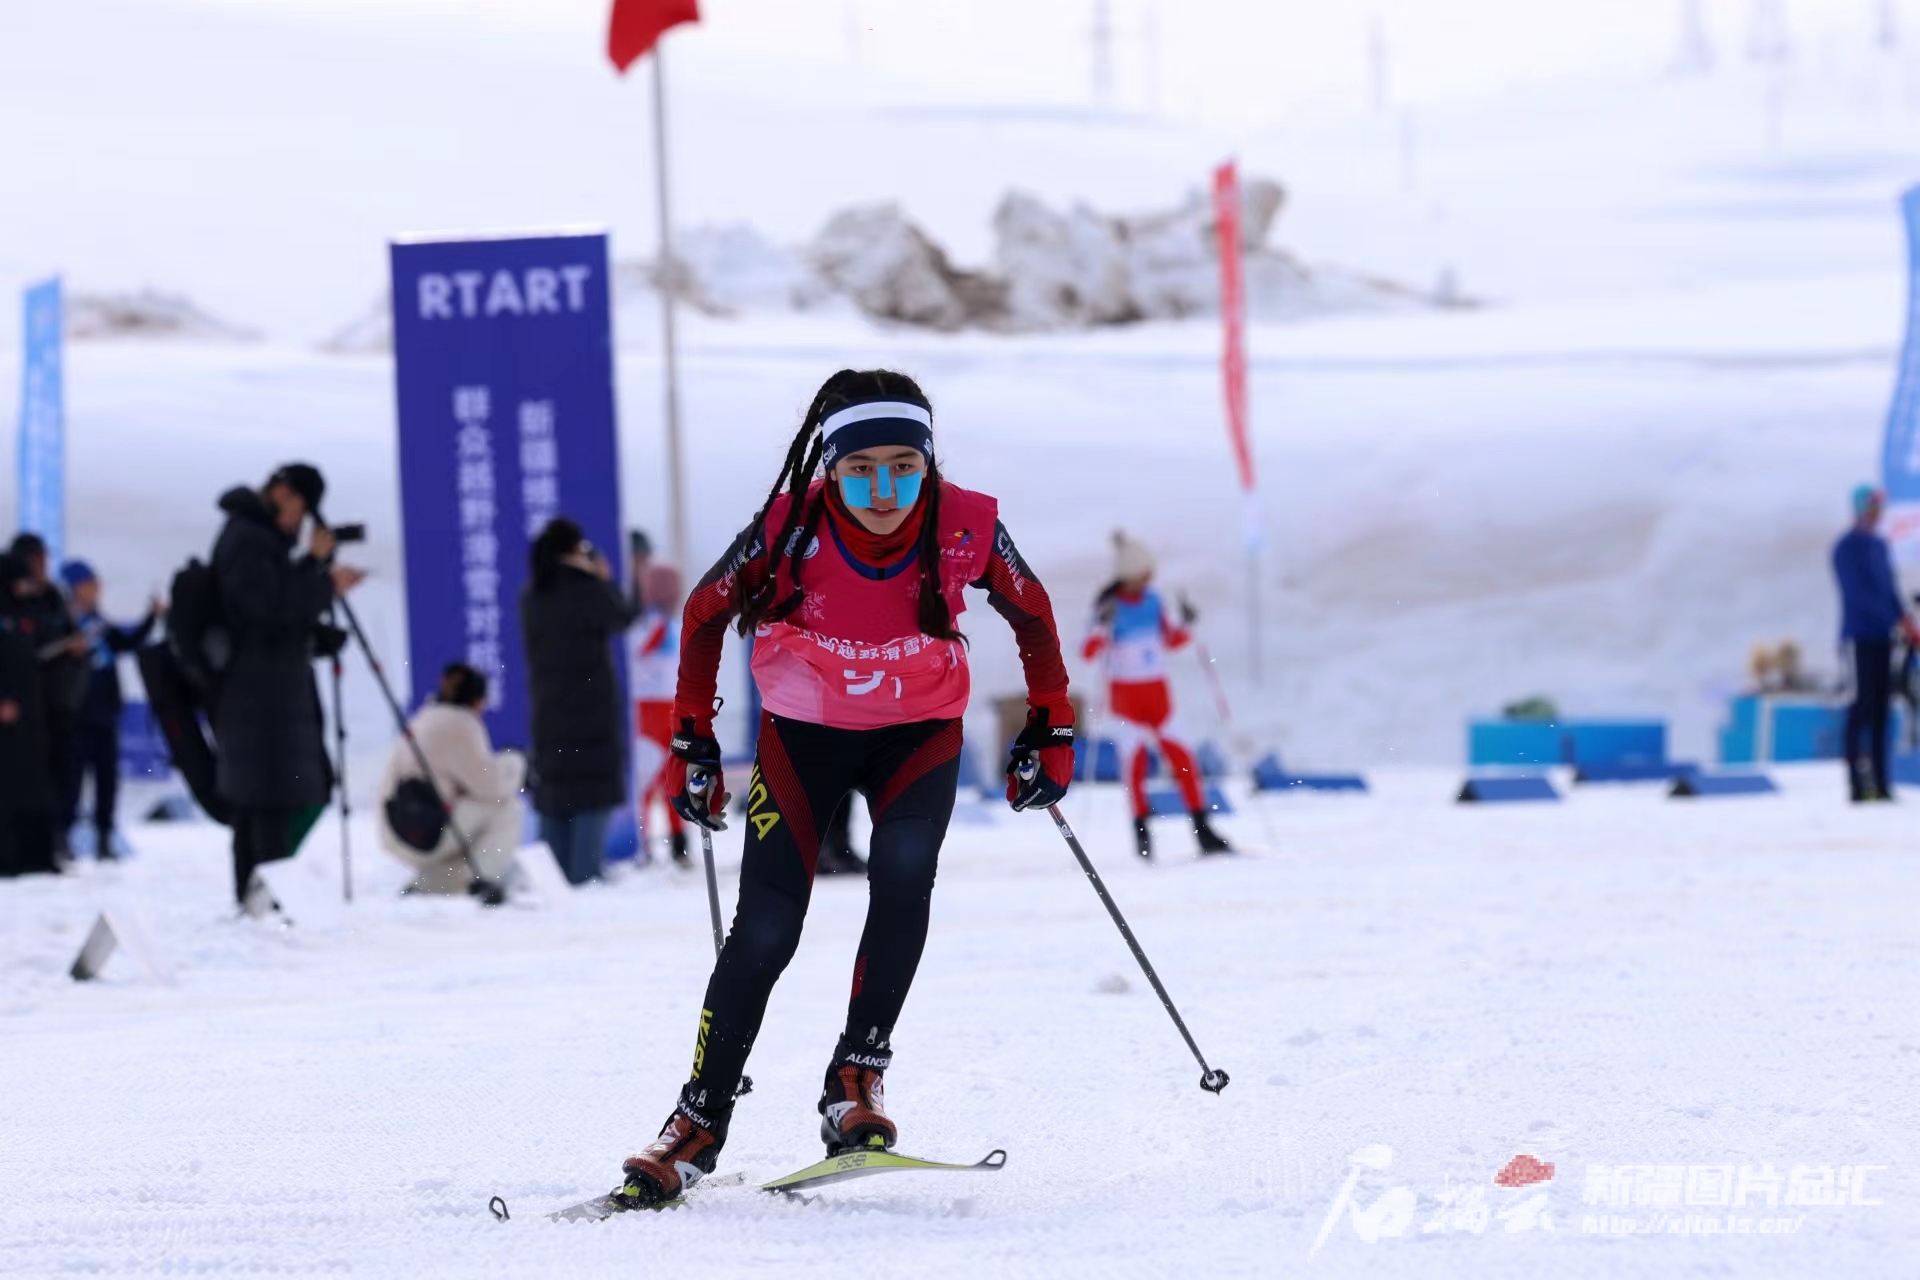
column 342, row 608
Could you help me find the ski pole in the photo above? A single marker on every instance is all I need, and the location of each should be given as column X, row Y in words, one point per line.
column 1212, row 1079
column 1213, row 680
column 1187, row 616
column 697, row 786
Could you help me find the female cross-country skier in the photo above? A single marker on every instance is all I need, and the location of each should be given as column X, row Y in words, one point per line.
column 1132, row 632
column 851, row 586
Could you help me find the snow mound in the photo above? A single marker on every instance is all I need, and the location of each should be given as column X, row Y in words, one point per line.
column 145, row 313
column 894, row 271
column 1051, row 272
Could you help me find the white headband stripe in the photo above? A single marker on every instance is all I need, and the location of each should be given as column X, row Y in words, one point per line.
column 877, row 409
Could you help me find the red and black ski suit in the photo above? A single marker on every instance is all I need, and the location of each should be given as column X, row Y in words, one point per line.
column 856, row 698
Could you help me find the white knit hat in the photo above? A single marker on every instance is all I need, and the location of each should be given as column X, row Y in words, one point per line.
column 1131, row 559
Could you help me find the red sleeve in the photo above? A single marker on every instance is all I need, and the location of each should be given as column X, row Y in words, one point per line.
column 1172, row 632
column 1017, row 596
column 711, row 607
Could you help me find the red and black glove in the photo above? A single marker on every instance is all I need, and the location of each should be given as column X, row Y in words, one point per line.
column 694, row 778
column 1040, row 767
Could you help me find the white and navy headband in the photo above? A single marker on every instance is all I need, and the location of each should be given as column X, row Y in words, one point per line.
column 877, row 422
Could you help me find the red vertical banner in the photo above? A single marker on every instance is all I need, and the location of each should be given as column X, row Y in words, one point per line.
column 1233, row 324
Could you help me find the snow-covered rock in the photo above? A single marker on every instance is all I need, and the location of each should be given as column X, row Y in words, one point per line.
column 1062, row 270
column 145, row 313
column 1051, row 270
column 894, row 271
column 734, row 268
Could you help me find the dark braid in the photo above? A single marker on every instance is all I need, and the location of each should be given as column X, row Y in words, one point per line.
column 796, row 474
column 936, row 619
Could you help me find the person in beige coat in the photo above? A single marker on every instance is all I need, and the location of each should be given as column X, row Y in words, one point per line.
column 480, row 785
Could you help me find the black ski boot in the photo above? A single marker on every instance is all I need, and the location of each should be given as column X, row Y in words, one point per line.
column 677, row 843
column 1210, row 840
column 853, row 1112
column 1142, row 839
column 685, row 1152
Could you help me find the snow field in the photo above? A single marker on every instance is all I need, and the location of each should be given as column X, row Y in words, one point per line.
column 1618, row 979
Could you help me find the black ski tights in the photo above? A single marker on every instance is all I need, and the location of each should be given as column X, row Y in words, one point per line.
column 908, row 774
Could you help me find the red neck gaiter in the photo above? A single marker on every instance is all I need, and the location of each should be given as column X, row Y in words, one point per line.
column 876, row 549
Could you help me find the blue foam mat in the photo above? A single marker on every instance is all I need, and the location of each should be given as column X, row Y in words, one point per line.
column 1636, row 771
column 1507, row 790
column 1268, row 775
column 1168, row 803
column 1690, row 785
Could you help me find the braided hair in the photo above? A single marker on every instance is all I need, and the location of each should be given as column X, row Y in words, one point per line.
column 802, row 522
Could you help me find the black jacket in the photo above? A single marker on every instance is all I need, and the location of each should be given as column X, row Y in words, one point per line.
column 578, row 762
column 266, row 717
column 25, row 783
column 43, row 617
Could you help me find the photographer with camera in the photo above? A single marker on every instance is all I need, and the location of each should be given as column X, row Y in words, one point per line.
column 267, row 724
column 571, row 613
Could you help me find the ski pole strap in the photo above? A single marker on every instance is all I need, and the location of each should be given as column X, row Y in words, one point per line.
column 1211, row 1079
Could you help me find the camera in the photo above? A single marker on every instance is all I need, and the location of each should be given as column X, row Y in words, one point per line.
column 345, row 534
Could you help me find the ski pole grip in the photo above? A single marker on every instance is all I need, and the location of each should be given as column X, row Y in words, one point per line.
column 1026, row 769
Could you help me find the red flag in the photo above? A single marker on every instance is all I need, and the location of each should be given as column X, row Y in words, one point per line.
column 637, row 24
column 1233, row 318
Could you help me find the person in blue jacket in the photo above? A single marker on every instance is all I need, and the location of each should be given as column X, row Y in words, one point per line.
column 1870, row 612
column 95, row 745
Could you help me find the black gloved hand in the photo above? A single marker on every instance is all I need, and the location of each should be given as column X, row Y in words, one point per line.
column 694, row 777
column 1040, row 766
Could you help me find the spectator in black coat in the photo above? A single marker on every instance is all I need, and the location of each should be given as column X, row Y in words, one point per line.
column 266, row 716
column 570, row 616
column 43, row 617
column 95, row 743
column 27, row 797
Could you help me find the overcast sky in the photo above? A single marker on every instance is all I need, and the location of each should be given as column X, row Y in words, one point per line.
column 1226, row 60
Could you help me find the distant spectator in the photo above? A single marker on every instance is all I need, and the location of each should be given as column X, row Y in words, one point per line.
column 95, row 741
column 570, row 616
column 27, row 798
column 44, row 618
column 480, row 787
column 1870, row 611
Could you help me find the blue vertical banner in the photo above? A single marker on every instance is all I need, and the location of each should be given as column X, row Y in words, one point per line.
column 43, row 430
column 503, row 364
column 1900, row 459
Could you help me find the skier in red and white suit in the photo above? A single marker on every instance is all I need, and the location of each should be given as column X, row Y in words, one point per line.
column 653, row 667
column 1131, row 633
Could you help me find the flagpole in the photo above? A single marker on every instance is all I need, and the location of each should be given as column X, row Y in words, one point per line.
column 666, row 278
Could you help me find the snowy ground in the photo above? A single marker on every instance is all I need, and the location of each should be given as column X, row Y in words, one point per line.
column 1618, row 980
